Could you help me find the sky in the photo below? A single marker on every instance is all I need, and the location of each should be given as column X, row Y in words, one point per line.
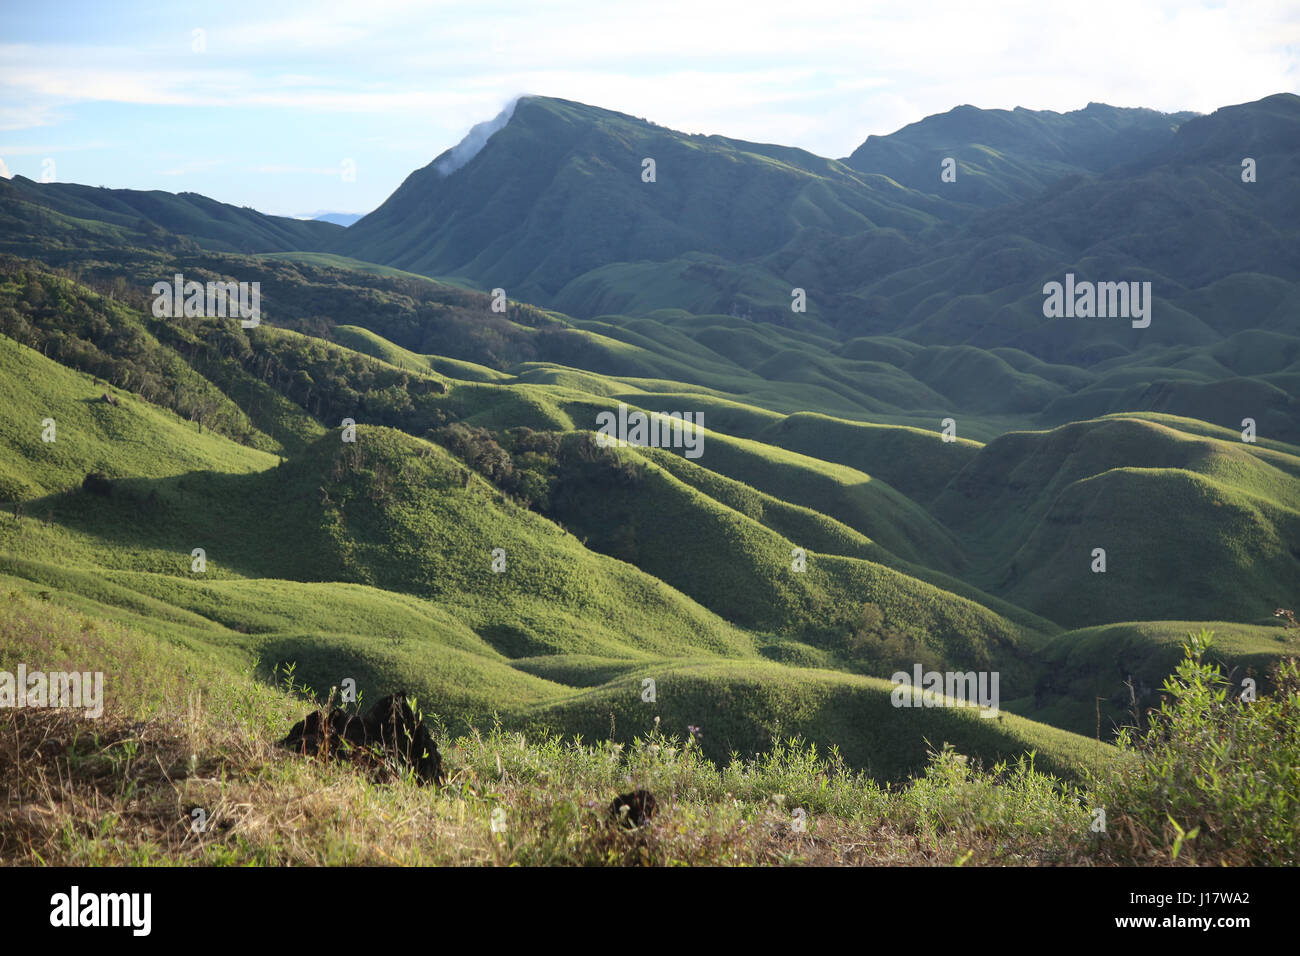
column 296, row 108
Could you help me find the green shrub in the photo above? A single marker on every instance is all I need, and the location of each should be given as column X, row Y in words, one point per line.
column 1216, row 777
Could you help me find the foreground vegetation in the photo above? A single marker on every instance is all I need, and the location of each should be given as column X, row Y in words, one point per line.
column 183, row 769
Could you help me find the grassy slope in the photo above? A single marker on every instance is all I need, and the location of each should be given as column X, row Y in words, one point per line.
column 85, row 212
column 182, row 730
column 1086, row 671
column 393, row 520
column 359, row 560
column 1167, row 506
column 367, row 342
column 132, row 438
column 738, row 566
column 903, row 452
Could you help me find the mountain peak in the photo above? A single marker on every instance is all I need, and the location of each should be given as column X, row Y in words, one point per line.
column 533, row 114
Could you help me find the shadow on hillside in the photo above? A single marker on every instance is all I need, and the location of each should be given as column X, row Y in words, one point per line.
column 262, row 524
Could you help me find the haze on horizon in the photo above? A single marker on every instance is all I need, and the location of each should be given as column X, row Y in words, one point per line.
column 265, row 105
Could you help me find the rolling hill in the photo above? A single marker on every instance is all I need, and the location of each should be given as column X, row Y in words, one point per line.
column 86, row 215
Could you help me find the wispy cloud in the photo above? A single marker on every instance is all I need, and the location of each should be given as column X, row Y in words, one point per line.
column 48, row 149
column 331, row 79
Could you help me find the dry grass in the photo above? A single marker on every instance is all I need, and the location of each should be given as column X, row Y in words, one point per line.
column 179, row 734
column 117, row 791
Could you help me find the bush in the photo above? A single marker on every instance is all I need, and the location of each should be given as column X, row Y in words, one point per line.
column 1216, row 778
column 875, row 647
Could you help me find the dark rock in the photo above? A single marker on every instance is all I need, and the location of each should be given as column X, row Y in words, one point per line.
column 641, row 806
column 388, row 729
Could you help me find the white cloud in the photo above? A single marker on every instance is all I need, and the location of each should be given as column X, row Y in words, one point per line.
column 475, row 140
column 821, row 75
column 24, row 115
column 32, row 149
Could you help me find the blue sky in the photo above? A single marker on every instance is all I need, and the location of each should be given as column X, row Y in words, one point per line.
column 266, row 105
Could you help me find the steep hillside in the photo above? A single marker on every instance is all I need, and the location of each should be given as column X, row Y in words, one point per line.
column 557, row 191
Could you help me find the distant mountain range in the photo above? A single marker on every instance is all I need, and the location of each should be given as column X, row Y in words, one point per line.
column 88, row 215
column 553, row 208
column 338, row 218
column 941, row 280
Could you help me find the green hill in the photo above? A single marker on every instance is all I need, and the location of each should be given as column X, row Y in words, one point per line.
column 1180, row 517
column 86, row 214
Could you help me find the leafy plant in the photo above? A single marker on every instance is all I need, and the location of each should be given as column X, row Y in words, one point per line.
column 1216, row 766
